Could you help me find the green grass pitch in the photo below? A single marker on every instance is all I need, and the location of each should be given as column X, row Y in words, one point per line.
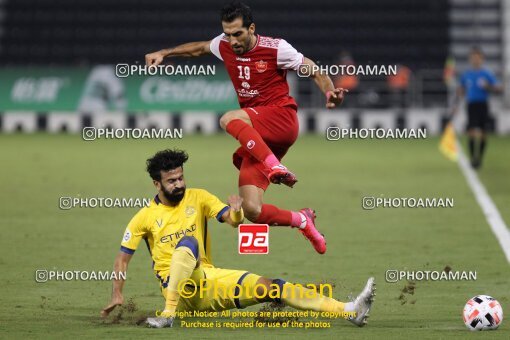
column 334, row 176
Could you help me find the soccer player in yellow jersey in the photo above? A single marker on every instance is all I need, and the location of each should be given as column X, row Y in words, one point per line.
column 174, row 226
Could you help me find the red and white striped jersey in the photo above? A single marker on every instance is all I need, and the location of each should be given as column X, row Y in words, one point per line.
column 259, row 75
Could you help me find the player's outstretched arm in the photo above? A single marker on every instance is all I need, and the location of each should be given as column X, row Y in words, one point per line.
column 121, row 264
column 235, row 215
column 192, row 49
column 334, row 96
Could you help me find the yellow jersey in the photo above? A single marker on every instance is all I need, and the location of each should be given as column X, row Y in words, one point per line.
column 162, row 226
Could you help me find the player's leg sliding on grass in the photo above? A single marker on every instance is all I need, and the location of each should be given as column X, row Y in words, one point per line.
column 249, row 289
column 174, row 227
column 184, row 260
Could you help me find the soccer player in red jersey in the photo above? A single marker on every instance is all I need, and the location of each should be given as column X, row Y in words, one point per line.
column 267, row 124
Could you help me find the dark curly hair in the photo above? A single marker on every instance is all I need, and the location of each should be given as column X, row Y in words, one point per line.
column 164, row 161
column 236, row 9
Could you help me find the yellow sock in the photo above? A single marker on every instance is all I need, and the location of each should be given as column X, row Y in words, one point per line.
column 303, row 298
column 181, row 267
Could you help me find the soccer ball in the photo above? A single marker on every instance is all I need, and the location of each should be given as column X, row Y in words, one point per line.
column 482, row 313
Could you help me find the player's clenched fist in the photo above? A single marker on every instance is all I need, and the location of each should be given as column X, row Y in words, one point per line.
column 154, row 59
column 235, row 213
column 335, row 97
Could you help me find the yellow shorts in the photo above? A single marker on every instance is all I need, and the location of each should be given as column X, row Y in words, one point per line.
column 214, row 289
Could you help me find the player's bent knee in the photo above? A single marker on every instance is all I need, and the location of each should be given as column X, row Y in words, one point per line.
column 231, row 115
column 189, row 242
column 227, row 118
column 252, row 210
column 224, row 120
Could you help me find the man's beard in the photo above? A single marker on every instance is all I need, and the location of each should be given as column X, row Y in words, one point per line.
column 243, row 48
column 175, row 196
column 239, row 51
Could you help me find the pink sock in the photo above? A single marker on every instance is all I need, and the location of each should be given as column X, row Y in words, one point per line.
column 296, row 219
column 271, row 161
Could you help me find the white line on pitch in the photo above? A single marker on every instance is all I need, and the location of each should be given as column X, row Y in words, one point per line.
column 489, row 209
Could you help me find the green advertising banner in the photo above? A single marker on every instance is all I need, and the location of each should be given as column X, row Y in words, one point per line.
column 41, row 89
column 99, row 89
column 181, row 92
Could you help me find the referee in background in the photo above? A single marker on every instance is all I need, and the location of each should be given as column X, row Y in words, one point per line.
column 475, row 84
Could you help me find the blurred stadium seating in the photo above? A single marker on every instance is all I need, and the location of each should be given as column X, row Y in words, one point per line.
column 47, row 32
column 81, row 34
